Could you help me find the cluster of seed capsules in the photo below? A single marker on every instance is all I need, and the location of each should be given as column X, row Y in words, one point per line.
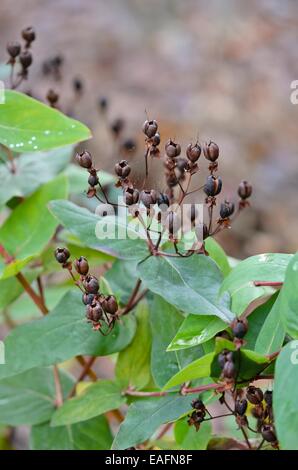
column 101, row 310
column 20, row 54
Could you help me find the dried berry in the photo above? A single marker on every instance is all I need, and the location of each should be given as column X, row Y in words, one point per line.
column 129, row 145
column 163, row 200
column 182, row 164
column 13, row 49
column 29, row 35
column 81, row 265
column 173, row 223
column 195, row 420
column 131, row 196
column 257, row 411
column 77, row 85
column 84, row 159
column 268, row 433
column 155, row 141
column 122, row 169
column 88, row 299
column 198, row 404
column 172, row 149
column 110, row 304
column 94, row 312
column 239, row 327
column 193, row 152
column 241, row 406
column 52, row 97
column 117, row 126
column 254, row 395
column 93, row 180
column 150, row 128
column 229, row 370
column 226, row 209
column 211, row 151
column 62, row 255
column 268, row 395
column 26, row 59
column 244, row 190
column 91, row 284
column 213, row 185
column 148, row 198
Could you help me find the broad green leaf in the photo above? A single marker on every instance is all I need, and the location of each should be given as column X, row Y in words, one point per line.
column 196, row 329
column 189, row 439
column 96, row 399
column 27, row 125
column 91, row 229
column 272, row 333
column 122, row 278
column 32, row 170
column 61, row 335
column 93, row 434
column 289, row 299
column 240, row 282
column 11, row 289
column 145, row 416
column 216, row 252
column 285, row 404
column 198, row 369
column 190, row 284
column 31, row 223
column 256, row 321
column 29, row 398
column 78, row 178
column 165, row 321
column 133, row 363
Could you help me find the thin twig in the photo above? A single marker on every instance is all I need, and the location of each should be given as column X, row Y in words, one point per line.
column 58, row 387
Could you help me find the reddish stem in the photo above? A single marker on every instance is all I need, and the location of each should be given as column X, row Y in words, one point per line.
column 268, row 284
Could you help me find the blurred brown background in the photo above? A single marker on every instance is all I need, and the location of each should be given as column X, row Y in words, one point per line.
column 213, row 69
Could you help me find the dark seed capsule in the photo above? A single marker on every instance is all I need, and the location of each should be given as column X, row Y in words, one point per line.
column 193, row 152
column 244, row 190
column 226, row 209
column 94, row 312
column 13, row 49
column 103, row 104
column 163, row 200
column 173, row 223
column 148, row 198
column 131, row 196
column 229, row 370
column 202, row 232
column 257, row 411
column 171, row 180
column 28, row 34
column 62, row 255
column 254, row 395
column 88, row 299
column 150, row 128
column 91, row 284
column 239, row 327
column 52, row 97
column 213, row 185
column 81, row 265
column 155, row 139
column 211, row 151
column 84, row 159
column 110, row 304
column 241, row 406
column 198, row 404
column 122, row 169
column 129, row 145
column 221, row 358
column 268, row 397
column 93, row 180
column 172, row 149
column 26, row 59
column 268, row 433
column 77, row 85
column 182, row 164
column 117, row 126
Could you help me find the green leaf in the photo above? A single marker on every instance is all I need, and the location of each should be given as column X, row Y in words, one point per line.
column 86, row 225
column 31, row 224
column 29, row 398
column 189, row 439
column 195, row 330
column 96, row 399
column 133, row 363
column 11, row 289
column 61, row 335
column 145, row 416
column 240, row 282
column 31, row 171
column 272, row 333
column 256, row 320
column 285, row 405
column 165, row 364
column 196, row 370
column 216, row 252
column 289, row 298
column 93, row 434
column 27, row 125
column 191, row 284
column 122, row 278
column 78, row 179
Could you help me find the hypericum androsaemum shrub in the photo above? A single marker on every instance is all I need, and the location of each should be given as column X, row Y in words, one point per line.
column 193, row 335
